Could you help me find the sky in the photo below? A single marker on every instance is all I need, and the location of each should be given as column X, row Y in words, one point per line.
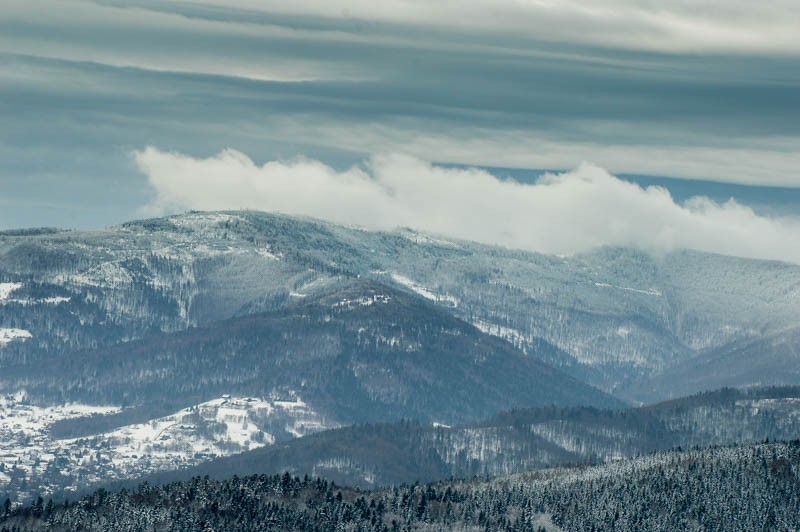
column 555, row 126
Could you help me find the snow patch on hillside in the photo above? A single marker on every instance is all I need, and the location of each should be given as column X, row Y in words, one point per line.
column 423, row 291
column 6, row 290
column 9, row 335
column 623, row 331
column 267, row 253
column 55, row 300
column 199, row 221
column 421, row 238
column 364, row 301
column 110, row 274
column 513, row 336
column 649, row 291
column 301, row 419
column 785, row 409
column 214, row 428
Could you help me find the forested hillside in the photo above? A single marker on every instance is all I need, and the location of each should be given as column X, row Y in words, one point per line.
column 740, row 488
column 619, row 317
column 358, row 350
column 163, row 344
column 384, row 454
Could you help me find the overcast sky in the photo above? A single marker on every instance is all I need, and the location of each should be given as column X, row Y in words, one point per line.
column 105, row 106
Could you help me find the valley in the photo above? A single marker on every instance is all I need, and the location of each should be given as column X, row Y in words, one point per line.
column 244, row 341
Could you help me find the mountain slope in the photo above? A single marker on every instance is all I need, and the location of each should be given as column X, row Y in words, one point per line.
column 773, row 359
column 355, row 352
column 618, row 316
column 359, row 352
column 518, row 441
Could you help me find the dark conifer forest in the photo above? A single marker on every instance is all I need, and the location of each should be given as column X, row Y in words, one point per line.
column 754, row 487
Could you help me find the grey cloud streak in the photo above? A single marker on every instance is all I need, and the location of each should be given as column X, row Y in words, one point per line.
column 679, row 26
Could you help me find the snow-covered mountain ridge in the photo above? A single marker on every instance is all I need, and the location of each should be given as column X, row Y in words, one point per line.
column 159, row 318
column 620, row 316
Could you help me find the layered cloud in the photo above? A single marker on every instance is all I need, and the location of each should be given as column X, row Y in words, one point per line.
column 562, row 213
column 705, row 92
column 678, row 26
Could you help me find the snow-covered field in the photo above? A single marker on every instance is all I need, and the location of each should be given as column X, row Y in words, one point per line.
column 25, row 443
column 216, row 428
column 9, row 335
column 6, row 290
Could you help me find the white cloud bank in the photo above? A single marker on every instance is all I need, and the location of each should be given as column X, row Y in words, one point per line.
column 562, row 213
